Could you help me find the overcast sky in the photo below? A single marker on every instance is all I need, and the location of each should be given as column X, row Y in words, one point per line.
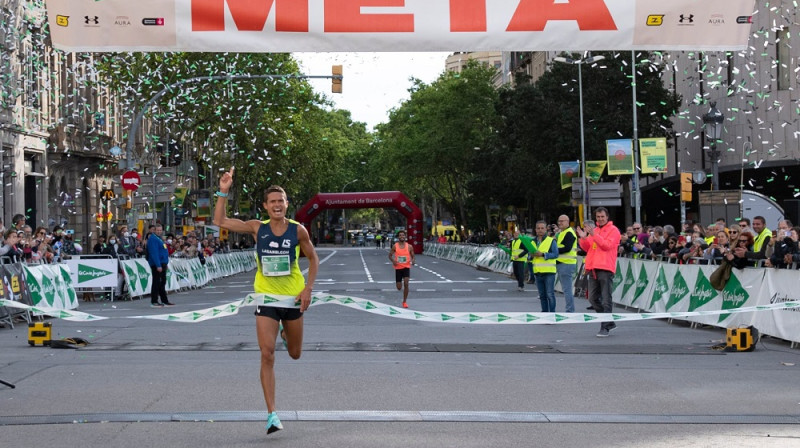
column 373, row 83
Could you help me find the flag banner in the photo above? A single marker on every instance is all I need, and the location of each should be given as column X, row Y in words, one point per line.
column 568, row 171
column 620, row 156
column 653, row 152
column 267, row 26
column 594, row 170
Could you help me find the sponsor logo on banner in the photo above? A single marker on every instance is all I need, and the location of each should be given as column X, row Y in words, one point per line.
column 776, row 298
column 153, row 21
column 91, row 21
column 679, row 290
column 131, row 277
column 641, row 284
column 62, row 20
column 629, row 280
column 686, row 20
column 733, row 296
column 703, row 292
column 142, row 275
column 744, row 20
column 661, row 289
column 88, row 273
column 655, row 20
column 716, row 20
column 617, row 278
column 122, row 21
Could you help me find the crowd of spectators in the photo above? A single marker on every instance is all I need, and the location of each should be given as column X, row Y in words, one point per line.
column 744, row 242
column 20, row 243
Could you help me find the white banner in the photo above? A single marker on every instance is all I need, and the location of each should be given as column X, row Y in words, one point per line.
column 50, row 286
column 93, row 272
column 138, row 276
column 398, row 25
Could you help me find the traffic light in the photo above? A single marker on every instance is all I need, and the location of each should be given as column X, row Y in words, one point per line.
column 686, row 187
column 128, row 199
column 336, row 81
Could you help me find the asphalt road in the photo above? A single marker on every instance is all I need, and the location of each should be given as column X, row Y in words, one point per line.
column 366, row 380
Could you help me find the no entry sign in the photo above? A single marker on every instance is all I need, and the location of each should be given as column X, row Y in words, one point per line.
column 131, row 180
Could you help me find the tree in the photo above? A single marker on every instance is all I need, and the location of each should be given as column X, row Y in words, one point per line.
column 541, row 121
column 431, row 141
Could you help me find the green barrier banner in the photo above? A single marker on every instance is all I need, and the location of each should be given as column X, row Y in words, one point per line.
column 382, row 309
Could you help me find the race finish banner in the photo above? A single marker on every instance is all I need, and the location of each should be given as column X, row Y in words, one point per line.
column 264, row 26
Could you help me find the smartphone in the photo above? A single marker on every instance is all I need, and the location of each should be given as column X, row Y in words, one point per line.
column 716, row 240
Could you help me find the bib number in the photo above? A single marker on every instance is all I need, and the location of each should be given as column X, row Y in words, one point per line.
column 402, row 259
column 275, row 265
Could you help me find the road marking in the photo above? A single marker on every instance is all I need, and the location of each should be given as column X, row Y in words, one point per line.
column 497, row 290
column 425, row 290
column 462, row 290
column 366, row 269
column 428, row 416
column 305, row 271
column 433, row 272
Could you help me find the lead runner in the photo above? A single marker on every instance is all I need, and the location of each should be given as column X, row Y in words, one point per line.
column 278, row 241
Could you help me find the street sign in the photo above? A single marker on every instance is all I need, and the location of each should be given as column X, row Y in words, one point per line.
column 131, row 180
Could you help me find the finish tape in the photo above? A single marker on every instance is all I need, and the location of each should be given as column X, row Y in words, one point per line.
column 382, row 309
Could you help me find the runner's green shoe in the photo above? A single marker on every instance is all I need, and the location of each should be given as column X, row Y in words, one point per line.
column 273, row 423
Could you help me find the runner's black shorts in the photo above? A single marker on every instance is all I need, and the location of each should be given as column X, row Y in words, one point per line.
column 400, row 274
column 279, row 314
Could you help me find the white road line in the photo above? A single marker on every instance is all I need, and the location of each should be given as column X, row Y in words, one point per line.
column 305, row 271
column 462, row 290
column 425, row 290
column 433, row 272
column 366, row 269
column 497, row 290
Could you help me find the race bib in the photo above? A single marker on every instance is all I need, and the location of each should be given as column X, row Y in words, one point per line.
column 275, row 265
column 402, row 259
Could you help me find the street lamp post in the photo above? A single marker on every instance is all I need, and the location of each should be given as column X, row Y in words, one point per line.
column 712, row 121
column 580, row 62
column 344, row 219
column 741, row 176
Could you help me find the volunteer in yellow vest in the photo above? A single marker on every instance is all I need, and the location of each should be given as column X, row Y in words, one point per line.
column 544, row 267
column 761, row 239
column 566, row 264
column 402, row 257
column 278, row 244
column 519, row 256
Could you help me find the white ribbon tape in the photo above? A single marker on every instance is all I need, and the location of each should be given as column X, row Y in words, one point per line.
column 382, row 309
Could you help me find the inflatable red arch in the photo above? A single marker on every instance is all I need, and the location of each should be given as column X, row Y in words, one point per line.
column 381, row 199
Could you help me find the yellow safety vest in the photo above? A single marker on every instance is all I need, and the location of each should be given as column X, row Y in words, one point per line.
column 761, row 238
column 540, row 264
column 516, row 250
column 570, row 257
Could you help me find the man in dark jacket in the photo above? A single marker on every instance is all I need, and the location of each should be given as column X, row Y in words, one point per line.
column 158, row 259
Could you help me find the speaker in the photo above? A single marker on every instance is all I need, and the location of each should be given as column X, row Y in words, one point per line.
column 791, row 210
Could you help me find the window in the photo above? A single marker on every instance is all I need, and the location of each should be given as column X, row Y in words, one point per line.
column 784, row 58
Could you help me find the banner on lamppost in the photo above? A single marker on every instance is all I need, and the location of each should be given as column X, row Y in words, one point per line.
column 594, row 170
column 653, row 153
column 568, row 171
column 620, row 156
column 180, row 196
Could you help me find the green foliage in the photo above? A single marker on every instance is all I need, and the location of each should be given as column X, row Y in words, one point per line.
column 274, row 131
column 431, row 142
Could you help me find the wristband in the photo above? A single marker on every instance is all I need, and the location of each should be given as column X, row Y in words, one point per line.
column 222, row 195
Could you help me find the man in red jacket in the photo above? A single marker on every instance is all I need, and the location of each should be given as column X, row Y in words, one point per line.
column 600, row 244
